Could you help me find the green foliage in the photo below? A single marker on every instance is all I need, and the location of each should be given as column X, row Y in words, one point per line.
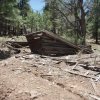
column 12, row 16
column 94, row 20
column 36, row 21
column 63, row 17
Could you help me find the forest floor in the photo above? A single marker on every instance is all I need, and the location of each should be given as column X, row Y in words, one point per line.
column 27, row 76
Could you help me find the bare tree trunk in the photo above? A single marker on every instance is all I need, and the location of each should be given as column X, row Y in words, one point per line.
column 54, row 16
column 96, row 23
column 83, row 23
column 96, row 30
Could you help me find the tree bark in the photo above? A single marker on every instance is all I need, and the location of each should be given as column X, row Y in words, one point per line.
column 83, row 23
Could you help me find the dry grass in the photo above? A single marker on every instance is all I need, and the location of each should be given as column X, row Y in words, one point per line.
column 15, row 38
column 96, row 48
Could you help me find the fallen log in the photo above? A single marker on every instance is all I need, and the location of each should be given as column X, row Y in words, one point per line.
column 17, row 44
column 88, row 67
column 12, row 48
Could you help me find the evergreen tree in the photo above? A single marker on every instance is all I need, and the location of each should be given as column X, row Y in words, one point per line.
column 96, row 19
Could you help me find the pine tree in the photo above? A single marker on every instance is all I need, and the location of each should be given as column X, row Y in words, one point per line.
column 96, row 19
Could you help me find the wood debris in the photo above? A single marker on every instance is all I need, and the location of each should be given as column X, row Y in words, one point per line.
column 95, row 97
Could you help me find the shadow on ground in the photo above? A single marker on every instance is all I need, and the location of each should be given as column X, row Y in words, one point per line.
column 4, row 55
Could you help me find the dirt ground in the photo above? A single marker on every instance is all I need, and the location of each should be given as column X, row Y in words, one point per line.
column 27, row 76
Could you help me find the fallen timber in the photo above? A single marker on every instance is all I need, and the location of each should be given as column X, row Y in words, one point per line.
column 47, row 43
column 17, row 44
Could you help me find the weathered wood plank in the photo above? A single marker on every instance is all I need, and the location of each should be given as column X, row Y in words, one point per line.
column 55, row 53
column 52, row 41
column 54, row 45
column 56, row 48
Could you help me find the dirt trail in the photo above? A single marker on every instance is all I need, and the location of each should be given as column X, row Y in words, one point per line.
column 35, row 77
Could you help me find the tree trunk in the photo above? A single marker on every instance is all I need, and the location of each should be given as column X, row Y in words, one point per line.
column 96, row 29
column 96, row 23
column 83, row 24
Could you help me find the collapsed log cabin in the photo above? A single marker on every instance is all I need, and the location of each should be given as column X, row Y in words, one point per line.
column 47, row 43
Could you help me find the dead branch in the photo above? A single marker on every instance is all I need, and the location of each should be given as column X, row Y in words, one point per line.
column 12, row 48
column 88, row 67
column 72, row 72
column 95, row 97
column 75, row 65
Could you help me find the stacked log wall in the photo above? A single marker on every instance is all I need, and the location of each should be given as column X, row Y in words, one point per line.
column 50, row 44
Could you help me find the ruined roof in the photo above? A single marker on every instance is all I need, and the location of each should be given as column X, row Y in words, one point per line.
column 56, row 37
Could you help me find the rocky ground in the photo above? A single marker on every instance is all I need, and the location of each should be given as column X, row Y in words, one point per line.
column 27, row 76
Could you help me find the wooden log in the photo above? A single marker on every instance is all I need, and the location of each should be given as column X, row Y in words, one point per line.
column 57, row 52
column 88, row 67
column 46, row 40
column 57, row 48
column 50, row 42
column 17, row 44
column 12, row 48
column 34, row 35
column 46, row 52
column 44, row 37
